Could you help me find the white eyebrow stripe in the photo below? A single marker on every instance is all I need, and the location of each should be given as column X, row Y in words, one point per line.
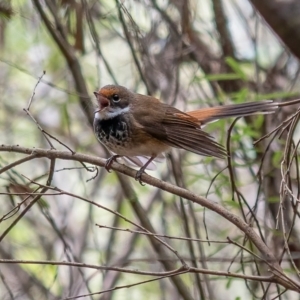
column 106, row 114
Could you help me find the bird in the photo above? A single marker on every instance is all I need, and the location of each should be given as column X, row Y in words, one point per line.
column 141, row 128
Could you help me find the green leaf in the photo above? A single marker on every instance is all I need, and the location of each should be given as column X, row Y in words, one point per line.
column 231, row 203
column 276, row 158
column 236, row 67
column 273, row 199
column 276, row 95
column 241, row 96
column 259, row 120
column 228, row 284
column 222, row 76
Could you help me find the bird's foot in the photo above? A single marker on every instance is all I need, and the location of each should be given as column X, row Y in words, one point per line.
column 109, row 162
column 138, row 175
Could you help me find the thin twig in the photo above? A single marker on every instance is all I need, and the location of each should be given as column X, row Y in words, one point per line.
column 163, row 235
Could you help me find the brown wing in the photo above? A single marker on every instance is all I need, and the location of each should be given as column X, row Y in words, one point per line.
column 184, row 132
column 206, row 115
column 175, row 128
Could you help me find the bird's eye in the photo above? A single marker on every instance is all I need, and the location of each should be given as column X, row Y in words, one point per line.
column 116, row 98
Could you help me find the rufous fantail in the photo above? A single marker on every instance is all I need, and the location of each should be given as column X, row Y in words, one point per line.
column 137, row 126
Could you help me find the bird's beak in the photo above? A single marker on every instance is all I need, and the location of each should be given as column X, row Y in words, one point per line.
column 103, row 102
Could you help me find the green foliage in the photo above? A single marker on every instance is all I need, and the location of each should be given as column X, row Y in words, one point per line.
column 273, row 199
column 150, row 52
column 236, row 67
column 217, row 77
column 277, row 158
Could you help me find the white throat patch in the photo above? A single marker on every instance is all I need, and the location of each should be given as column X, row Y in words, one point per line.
column 109, row 113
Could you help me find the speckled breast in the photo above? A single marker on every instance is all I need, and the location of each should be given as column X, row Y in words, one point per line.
column 113, row 133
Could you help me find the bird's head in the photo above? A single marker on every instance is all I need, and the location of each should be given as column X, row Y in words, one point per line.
column 113, row 100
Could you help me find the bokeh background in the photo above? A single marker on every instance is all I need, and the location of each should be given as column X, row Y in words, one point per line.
column 190, row 54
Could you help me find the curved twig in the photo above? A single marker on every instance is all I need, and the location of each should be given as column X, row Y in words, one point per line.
column 232, row 218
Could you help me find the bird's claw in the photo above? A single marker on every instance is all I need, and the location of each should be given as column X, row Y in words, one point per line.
column 138, row 176
column 109, row 162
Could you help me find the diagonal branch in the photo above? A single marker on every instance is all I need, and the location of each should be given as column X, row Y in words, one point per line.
column 283, row 18
column 267, row 254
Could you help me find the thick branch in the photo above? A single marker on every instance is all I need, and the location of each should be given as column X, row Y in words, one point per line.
column 70, row 56
column 283, row 18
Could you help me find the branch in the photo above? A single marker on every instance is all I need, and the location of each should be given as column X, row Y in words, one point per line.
column 132, row 271
column 267, row 254
column 70, row 56
column 283, row 18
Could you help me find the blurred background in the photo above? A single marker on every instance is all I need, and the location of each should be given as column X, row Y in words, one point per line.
column 190, row 54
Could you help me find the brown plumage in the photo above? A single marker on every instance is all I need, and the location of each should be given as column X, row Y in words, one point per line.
column 131, row 124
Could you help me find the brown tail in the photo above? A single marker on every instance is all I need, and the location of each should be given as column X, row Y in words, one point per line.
column 210, row 114
column 206, row 115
